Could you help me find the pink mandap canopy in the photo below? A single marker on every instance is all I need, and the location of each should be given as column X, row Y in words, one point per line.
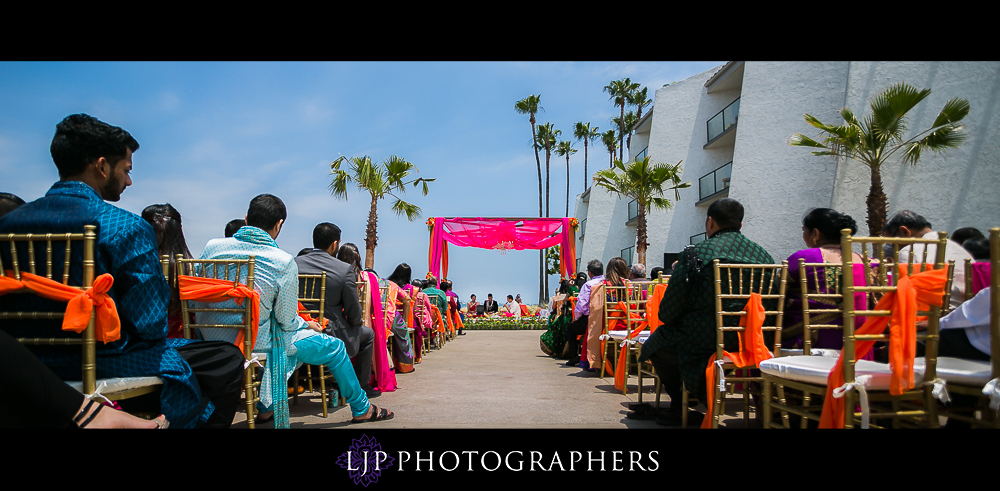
column 503, row 234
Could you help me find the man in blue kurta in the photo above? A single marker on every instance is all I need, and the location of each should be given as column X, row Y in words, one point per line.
column 94, row 161
column 286, row 338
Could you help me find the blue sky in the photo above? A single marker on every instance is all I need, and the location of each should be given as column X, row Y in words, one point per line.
column 214, row 135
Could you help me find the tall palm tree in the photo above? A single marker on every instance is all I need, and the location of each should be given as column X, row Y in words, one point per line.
column 566, row 148
column 588, row 134
column 546, row 138
column 646, row 183
column 619, row 91
column 388, row 178
column 627, row 126
column 639, row 99
column 873, row 140
column 529, row 105
column 610, row 141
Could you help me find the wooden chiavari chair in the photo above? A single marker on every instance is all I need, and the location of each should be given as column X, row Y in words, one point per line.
column 223, row 315
column 59, row 255
column 809, row 373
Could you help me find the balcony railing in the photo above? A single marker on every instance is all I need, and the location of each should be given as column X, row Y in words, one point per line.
column 633, row 210
column 697, row 238
column 626, row 254
column 583, row 227
column 715, row 181
column 641, row 155
column 723, row 120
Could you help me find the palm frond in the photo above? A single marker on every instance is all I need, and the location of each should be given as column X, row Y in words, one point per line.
column 409, row 210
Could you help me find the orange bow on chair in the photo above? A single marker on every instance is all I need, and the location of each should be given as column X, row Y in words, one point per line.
column 213, row 290
column 752, row 349
column 79, row 305
column 620, row 375
column 913, row 293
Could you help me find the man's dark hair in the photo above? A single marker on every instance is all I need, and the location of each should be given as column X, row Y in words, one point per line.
column 905, row 218
column 654, row 274
column 595, row 267
column 9, row 202
column 432, row 281
column 325, row 234
column 979, row 248
column 265, row 211
column 727, row 213
column 81, row 139
column 965, row 233
column 445, row 285
column 234, row 226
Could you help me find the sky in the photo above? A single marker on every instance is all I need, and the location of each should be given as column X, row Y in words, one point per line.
column 213, row 135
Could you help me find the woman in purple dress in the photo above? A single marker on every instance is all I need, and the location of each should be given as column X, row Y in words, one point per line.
column 821, row 233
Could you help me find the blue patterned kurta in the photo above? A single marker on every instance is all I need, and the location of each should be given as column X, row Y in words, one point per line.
column 126, row 248
column 276, row 280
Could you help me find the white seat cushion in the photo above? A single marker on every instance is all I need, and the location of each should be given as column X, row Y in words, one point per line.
column 815, row 369
column 958, row 370
column 830, row 353
column 115, row 385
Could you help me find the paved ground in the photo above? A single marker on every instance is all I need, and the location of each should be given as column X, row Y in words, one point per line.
column 493, row 379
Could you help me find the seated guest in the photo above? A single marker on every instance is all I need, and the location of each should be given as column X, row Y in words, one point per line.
column 821, row 233
column 9, row 202
column 454, row 306
column 166, row 223
column 201, row 381
column 654, row 274
column 342, row 306
column 276, row 280
column 234, row 225
column 638, row 272
column 681, row 347
column 909, row 224
column 472, row 305
column 581, row 313
column 490, row 305
column 437, row 297
column 399, row 308
column 512, row 307
column 978, row 248
column 963, row 234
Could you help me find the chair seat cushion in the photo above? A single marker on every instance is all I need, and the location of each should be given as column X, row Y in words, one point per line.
column 622, row 334
column 815, row 369
column 830, row 353
column 116, row 385
column 958, row 370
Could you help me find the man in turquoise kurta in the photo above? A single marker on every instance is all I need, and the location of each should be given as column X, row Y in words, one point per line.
column 287, row 339
column 681, row 348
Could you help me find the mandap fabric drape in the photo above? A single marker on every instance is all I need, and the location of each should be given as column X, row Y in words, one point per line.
column 501, row 233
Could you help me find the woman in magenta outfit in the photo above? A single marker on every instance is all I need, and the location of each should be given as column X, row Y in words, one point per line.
column 821, row 233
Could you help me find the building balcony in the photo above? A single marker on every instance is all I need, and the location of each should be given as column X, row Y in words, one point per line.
column 721, row 127
column 627, row 254
column 715, row 184
column 694, row 239
column 633, row 213
column 583, row 227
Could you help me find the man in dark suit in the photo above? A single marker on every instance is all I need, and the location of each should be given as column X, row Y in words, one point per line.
column 490, row 305
column 342, row 306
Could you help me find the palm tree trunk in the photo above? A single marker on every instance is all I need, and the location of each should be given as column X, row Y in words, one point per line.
column 877, row 208
column 640, row 232
column 371, row 238
column 621, row 135
column 567, row 185
column 585, row 164
column 541, row 252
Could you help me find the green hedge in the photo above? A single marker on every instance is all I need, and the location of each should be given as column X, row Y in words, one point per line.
column 505, row 323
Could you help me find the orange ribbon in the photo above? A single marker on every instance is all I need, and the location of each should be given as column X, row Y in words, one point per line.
column 620, row 375
column 79, row 305
column 212, row 290
column 913, row 293
column 653, row 307
column 308, row 318
column 752, row 349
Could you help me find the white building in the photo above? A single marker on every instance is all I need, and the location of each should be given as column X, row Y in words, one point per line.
column 731, row 126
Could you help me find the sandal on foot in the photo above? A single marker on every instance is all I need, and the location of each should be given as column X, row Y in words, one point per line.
column 378, row 414
column 82, row 419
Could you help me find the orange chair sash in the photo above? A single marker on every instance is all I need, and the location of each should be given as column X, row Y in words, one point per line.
column 308, row 318
column 620, row 375
column 913, row 293
column 752, row 348
column 653, row 307
column 213, row 290
column 79, row 304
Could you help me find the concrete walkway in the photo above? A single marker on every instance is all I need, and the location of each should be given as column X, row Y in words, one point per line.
column 492, row 379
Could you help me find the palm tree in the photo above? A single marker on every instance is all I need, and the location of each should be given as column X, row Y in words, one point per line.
column 879, row 135
column 627, row 126
column 379, row 180
column 588, row 134
column 546, row 139
column 639, row 99
column 645, row 183
column 610, row 141
column 529, row 105
column 619, row 91
column 566, row 148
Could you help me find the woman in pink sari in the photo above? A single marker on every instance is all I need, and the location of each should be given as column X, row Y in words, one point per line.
column 373, row 316
column 821, row 232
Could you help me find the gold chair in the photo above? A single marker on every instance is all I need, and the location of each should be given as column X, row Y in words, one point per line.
column 234, row 317
column 974, row 377
column 808, row 374
column 633, row 296
column 47, row 249
column 312, row 292
column 612, row 296
column 646, row 368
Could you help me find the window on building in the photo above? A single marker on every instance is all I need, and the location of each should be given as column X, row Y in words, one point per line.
column 627, row 254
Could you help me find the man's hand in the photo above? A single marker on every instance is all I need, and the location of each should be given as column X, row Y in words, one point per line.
column 314, row 326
